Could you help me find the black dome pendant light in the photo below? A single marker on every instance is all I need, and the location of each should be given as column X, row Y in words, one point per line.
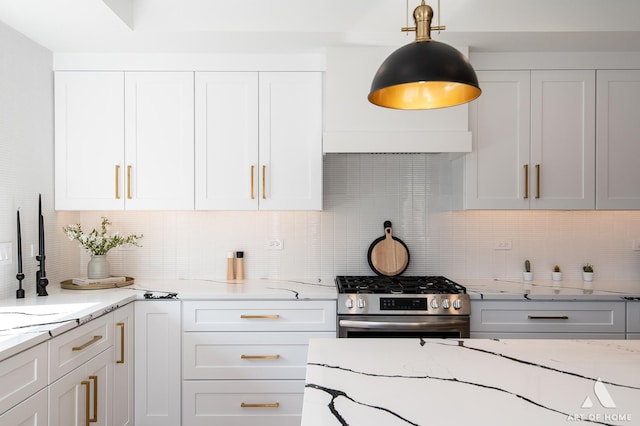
column 425, row 74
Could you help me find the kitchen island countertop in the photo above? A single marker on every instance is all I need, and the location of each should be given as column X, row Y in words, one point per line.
column 499, row 382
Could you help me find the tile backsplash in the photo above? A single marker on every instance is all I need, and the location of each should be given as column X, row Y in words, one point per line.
column 361, row 191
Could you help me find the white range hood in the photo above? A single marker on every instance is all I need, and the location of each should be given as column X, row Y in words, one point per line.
column 353, row 125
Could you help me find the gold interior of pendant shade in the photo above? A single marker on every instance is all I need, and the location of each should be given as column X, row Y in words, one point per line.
column 424, row 95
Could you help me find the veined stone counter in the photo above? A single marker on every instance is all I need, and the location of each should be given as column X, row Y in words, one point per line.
column 471, row 382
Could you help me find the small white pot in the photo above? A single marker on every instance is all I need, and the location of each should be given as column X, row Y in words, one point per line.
column 587, row 276
column 527, row 276
column 556, row 276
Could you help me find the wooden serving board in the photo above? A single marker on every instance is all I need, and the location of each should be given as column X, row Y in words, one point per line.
column 388, row 255
column 69, row 285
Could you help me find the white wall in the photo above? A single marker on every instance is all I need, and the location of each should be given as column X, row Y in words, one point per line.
column 361, row 192
column 26, row 160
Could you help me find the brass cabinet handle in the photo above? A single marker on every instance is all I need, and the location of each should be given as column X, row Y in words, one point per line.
column 253, row 196
column 537, row 180
column 94, row 419
column 129, row 182
column 259, row 356
column 264, row 174
column 85, row 345
column 271, row 405
column 526, row 181
column 260, row 316
column 117, row 182
column 87, row 401
column 121, row 326
column 552, row 317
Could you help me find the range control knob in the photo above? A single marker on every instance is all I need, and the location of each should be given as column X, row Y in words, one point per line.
column 457, row 304
column 434, row 303
column 349, row 303
column 446, row 304
column 361, row 303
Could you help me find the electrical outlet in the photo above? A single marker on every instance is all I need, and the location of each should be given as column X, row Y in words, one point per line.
column 275, row 244
column 6, row 253
column 502, row 245
column 635, row 246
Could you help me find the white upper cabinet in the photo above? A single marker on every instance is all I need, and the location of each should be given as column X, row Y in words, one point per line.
column 562, row 167
column 124, row 141
column 618, row 148
column 259, row 141
column 159, row 140
column 89, row 140
column 226, row 140
column 533, row 141
column 495, row 175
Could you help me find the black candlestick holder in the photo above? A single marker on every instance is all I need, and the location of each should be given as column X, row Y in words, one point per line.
column 20, row 290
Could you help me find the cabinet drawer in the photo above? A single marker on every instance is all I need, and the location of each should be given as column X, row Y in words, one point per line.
column 31, row 412
column 277, row 355
column 548, row 316
column 633, row 317
column 22, row 375
column 260, row 316
column 241, row 403
column 79, row 345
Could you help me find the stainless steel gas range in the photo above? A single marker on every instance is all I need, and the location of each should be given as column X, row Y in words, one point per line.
column 381, row 306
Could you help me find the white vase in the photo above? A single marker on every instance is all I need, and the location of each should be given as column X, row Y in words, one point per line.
column 587, row 276
column 556, row 276
column 527, row 276
column 98, row 267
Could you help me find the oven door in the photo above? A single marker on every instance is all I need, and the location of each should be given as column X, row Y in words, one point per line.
column 403, row 326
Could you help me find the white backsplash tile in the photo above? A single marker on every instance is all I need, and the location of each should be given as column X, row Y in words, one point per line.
column 361, row 192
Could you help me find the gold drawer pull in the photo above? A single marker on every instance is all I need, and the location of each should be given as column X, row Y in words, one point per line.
column 253, row 195
column 526, row 181
column 259, row 356
column 537, row 180
column 272, row 405
column 128, row 182
column 94, row 419
column 117, row 182
column 87, row 402
column 121, row 327
column 260, row 316
column 552, row 317
column 89, row 343
column 264, row 175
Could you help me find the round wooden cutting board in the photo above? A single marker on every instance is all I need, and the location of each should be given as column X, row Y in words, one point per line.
column 388, row 255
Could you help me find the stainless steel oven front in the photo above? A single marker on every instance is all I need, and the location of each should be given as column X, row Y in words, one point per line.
column 403, row 326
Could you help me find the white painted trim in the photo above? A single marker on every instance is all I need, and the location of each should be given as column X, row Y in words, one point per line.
column 187, row 62
column 487, row 61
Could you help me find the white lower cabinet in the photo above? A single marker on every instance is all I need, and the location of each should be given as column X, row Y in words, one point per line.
column 548, row 319
column 83, row 396
column 123, row 371
column 21, row 376
column 30, row 412
column 633, row 319
column 157, row 360
column 244, row 363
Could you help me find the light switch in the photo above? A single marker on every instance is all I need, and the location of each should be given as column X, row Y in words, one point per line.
column 6, row 253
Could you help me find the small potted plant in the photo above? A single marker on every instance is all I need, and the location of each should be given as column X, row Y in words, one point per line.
column 556, row 275
column 587, row 272
column 527, row 275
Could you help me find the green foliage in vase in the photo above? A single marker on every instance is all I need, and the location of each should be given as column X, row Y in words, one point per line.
column 98, row 242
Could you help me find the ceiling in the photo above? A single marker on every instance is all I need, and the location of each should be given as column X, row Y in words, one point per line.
column 291, row 26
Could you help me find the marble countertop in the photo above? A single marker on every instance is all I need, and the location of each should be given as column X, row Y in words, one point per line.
column 550, row 290
column 498, row 382
column 27, row 322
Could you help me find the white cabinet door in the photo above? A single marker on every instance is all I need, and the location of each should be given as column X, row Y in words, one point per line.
column 84, row 395
column 496, row 169
column 123, row 407
column 226, row 140
column 89, row 140
column 618, row 150
column 290, row 141
column 31, row 412
column 22, row 375
column 562, row 171
column 158, row 363
column 159, row 140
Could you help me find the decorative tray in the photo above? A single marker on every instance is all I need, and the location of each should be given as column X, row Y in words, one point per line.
column 69, row 285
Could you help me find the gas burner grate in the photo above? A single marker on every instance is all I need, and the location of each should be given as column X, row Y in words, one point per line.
column 398, row 285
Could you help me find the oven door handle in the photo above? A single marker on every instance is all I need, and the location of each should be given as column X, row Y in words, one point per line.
column 388, row 325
